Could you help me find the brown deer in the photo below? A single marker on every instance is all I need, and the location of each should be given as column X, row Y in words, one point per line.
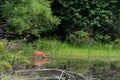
column 40, row 54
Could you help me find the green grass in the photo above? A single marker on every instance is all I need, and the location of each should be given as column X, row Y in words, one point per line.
column 64, row 50
column 65, row 53
column 68, row 51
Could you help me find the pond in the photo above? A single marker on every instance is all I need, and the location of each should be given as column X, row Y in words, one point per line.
column 94, row 69
column 69, row 69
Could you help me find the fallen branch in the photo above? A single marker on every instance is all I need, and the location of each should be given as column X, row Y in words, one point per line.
column 71, row 75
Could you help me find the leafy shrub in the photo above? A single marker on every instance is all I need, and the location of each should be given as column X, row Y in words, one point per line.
column 116, row 44
column 78, row 37
column 48, row 45
column 28, row 16
column 76, row 15
column 103, row 38
column 9, row 59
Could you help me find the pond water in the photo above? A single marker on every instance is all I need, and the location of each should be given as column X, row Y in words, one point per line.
column 92, row 69
column 79, row 68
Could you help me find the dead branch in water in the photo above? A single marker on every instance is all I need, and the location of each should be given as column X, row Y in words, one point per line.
column 60, row 75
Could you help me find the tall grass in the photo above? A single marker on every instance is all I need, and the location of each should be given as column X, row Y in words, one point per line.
column 62, row 52
column 65, row 50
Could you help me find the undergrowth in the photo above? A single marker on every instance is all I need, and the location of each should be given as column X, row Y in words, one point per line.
column 19, row 53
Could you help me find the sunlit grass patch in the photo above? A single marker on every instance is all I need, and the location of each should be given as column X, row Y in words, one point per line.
column 64, row 50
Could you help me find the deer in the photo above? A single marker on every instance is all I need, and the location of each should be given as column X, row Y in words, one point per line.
column 43, row 60
column 40, row 54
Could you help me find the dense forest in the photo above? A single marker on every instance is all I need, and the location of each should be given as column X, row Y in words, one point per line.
column 73, row 20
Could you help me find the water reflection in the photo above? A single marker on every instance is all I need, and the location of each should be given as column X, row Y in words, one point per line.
column 40, row 62
column 94, row 70
column 40, row 58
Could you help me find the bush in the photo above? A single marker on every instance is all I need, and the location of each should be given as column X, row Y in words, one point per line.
column 28, row 16
column 9, row 59
column 78, row 37
column 103, row 38
column 98, row 15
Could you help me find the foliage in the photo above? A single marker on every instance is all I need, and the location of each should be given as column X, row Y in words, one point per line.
column 64, row 49
column 78, row 37
column 98, row 15
column 9, row 59
column 13, row 56
column 33, row 17
column 28, row 16
column 103, row 38
column 48, row 46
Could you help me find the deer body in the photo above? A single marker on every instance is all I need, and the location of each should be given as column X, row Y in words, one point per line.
column 40, row 53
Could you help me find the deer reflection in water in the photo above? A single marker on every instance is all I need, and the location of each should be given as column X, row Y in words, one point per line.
column 40, row 58
column 40, row 62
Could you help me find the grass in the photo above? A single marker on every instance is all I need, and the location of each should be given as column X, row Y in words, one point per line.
column 64, row 50
column 82, row 56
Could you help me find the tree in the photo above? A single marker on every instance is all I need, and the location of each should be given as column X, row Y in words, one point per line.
column 77, row 15
column 28, row 17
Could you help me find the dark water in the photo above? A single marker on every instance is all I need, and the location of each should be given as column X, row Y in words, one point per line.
column 92, row 69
